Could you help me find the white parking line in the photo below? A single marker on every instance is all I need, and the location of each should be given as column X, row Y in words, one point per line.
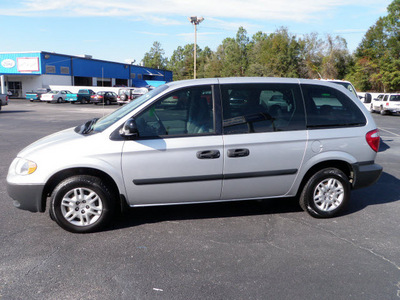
column 395, row 134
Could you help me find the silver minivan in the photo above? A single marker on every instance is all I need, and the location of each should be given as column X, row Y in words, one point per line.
column 205, row 140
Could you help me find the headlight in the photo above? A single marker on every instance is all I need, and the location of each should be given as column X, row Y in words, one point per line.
column 25, row 167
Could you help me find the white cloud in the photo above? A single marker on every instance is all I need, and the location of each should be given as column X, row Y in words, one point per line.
column 166, row 11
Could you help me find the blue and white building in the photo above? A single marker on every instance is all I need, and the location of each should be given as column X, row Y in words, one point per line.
column 22, row 72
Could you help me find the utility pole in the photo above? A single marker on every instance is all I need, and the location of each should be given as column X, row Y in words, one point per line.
column 195, row 21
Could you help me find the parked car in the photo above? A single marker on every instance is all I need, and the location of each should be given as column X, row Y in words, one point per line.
column 3, row 100
column 54, row 96
column 83, row 96
column 126, row 95
column 386, row 103
column 105, row 97
column 32, row 96
column 322, row 145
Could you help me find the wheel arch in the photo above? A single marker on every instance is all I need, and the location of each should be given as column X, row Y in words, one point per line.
column 61, row 175
column 344, row 166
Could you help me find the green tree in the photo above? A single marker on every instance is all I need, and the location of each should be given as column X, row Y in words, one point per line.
column 155, row 57
column 182, row 62
column 378, row 55
column 274, row 55
column 311, row 55
column 336, row 59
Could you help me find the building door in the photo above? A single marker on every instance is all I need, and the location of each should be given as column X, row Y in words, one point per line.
column 15, row 88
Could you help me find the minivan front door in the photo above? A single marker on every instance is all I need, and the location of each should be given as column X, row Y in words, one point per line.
column 178, row 156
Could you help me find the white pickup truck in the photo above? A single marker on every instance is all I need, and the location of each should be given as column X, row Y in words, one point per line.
column 386, row 104
column 3, row 100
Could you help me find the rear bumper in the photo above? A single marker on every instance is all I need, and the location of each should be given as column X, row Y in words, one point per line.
column 366, row 174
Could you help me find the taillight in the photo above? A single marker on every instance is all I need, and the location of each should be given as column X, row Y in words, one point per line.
column 373, row 139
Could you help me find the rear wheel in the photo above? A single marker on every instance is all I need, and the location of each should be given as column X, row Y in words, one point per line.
column 326, row 193
column 82, row 204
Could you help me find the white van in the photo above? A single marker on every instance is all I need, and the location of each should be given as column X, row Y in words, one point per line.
column 202, row 141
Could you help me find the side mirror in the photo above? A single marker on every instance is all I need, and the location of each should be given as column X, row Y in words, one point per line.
column 129, row 130
column 368, row 98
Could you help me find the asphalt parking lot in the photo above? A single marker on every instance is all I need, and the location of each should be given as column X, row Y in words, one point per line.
column 244, row 250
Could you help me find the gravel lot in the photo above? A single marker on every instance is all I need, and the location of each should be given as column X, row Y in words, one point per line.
column 244, row 250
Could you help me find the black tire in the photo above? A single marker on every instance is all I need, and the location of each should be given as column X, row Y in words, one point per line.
column 91, row 212
column 107, row 102
column 326, row 193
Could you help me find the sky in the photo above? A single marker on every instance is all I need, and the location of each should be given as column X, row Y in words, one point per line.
column 124, row 30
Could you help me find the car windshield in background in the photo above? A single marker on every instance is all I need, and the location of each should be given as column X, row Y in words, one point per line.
column 110, row 119
column 347, row 86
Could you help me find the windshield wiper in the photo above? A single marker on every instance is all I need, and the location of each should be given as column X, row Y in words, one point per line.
column 88, row 127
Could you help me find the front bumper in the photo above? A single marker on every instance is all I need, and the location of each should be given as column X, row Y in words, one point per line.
column 366, row 174
column 27, row 197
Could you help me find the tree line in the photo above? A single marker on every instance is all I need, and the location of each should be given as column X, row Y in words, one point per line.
column 374, row 65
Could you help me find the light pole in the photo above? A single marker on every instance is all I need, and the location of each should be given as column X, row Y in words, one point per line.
column 195, row 21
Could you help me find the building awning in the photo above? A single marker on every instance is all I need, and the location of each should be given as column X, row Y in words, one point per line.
column 154, row 74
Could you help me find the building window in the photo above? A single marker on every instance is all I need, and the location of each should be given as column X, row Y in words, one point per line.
column 64, row 70
column 50, row 69
column 139, row 76
column 133, row 75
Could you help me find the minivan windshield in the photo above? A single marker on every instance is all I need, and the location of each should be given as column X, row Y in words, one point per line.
column 110, row 119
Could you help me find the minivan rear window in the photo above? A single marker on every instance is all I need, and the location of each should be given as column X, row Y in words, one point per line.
column 328, row 107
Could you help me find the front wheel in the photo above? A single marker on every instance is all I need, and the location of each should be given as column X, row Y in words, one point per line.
column 326, row 193
column 82, row 204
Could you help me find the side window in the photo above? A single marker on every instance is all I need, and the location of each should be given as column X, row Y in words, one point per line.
column 252, row 108
column 183, row 112
column 328, row 107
